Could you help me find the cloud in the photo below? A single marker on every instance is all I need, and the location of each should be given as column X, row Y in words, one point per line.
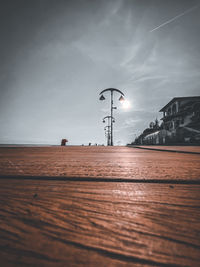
column 58, row 55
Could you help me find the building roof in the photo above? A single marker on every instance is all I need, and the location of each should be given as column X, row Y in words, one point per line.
column 179, row 98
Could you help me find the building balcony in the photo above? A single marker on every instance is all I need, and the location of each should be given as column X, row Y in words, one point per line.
column 182, row 113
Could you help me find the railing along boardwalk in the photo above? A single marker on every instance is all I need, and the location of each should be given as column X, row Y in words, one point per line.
column 102, row 222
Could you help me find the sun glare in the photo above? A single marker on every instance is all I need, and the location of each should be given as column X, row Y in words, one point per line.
column 126, row 104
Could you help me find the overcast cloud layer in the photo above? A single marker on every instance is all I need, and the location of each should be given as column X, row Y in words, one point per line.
column 56, row 57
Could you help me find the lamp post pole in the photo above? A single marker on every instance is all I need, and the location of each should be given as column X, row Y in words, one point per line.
column 107, row 134
column 111, row 112
column 111, row 90
column 111, row 120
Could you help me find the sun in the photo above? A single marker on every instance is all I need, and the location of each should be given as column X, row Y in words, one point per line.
column 126, row 104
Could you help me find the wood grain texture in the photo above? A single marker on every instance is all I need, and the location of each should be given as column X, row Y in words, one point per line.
column 70, row 223
column 98, row 162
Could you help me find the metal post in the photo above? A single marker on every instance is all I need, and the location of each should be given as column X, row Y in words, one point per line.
column 109, row 131
column 108, row 143
column 111, row 122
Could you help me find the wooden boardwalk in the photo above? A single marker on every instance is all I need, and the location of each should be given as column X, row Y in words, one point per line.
column 98, row 162
column 105, row 222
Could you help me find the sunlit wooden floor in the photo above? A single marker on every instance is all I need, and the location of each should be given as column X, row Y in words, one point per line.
column 105, row 222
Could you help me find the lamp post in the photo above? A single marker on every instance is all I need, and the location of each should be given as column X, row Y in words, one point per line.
column 107, row 134
column 111, row 90
column 110, row 119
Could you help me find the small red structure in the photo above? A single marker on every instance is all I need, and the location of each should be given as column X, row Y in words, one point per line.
column 63, row 142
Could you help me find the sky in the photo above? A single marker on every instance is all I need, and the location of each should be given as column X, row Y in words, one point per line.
column 56, row 56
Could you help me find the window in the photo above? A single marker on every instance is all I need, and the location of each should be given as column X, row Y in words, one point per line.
column 177, row 123
column 174, row 109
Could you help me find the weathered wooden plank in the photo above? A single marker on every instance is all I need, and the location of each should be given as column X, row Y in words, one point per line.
column 87, row 223
column 99, row 162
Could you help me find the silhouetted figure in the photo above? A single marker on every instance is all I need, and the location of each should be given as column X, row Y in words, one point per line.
column 63, row 142
column 89, row 144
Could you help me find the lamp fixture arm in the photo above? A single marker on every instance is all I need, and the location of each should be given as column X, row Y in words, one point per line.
column 111, row 89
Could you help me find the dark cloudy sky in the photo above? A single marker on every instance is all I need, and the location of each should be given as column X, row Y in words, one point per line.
column 57, row 55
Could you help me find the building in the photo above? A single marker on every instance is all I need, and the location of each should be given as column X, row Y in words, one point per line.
column 181, row 120
column 180, row 123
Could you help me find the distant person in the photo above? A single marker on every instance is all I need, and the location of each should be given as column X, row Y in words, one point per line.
column 63, row 142
column 89, row 144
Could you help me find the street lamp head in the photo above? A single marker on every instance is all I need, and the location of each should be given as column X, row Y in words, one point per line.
column 102, row 97
column 121, row 99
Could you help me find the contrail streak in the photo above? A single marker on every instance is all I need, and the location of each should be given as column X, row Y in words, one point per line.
column 178, row 16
